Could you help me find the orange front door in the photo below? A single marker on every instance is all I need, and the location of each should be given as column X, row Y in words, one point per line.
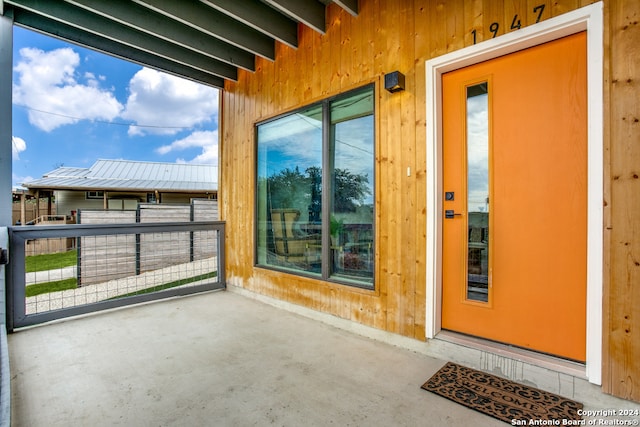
column 515, row 198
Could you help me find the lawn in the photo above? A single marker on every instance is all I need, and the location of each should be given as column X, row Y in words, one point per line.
column 66, row 259
column 45, row 262
column 63, row 285
column 50, row 261
column 46, row 287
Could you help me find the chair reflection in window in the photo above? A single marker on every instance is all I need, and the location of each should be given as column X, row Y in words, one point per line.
column 352, row 249
column 291, row 244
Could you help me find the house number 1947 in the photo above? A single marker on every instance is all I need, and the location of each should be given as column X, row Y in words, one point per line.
column 515, row 23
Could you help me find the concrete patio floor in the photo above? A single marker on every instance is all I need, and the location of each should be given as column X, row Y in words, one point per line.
column 219, row 359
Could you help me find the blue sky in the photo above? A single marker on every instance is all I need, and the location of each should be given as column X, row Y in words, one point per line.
column 72, row 106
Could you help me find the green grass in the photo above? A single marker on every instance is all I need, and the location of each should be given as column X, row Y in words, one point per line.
column 45, row 288
column 169, row 285
column 50, row 261
column 63, row 285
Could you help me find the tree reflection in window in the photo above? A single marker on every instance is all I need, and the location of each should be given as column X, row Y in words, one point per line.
column 319, row 156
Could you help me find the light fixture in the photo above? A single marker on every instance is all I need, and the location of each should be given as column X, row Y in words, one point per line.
column 394, row 81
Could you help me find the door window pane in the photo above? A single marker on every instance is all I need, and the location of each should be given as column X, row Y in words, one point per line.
column 478, row 192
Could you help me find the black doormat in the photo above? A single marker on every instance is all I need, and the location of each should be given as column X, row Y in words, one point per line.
column 500, row 398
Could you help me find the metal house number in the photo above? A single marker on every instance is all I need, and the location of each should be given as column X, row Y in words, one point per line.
column 516, row 24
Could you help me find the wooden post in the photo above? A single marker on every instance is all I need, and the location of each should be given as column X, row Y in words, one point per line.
column 23, row 209
column 37, row 204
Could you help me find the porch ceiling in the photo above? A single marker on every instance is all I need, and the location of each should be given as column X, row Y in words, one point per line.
column 202, row 40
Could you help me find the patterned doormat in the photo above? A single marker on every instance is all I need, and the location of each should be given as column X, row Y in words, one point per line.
column 500, row 398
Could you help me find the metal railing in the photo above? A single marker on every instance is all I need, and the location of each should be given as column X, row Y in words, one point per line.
column 101, row 266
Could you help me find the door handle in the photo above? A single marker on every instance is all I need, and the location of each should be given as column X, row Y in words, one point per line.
column 450, row 214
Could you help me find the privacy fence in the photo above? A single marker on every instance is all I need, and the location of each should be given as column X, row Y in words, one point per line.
column 101, row 257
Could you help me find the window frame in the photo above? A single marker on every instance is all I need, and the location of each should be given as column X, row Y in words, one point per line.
column 325, row 275
column 99, row 195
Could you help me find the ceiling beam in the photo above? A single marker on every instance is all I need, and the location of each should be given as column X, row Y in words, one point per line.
column 56, row 29
column 350, row 6
column 205, row 40
column 309, row 12
column 260, row 17
column 142, row 19
column 95, row 24
column 204, row 18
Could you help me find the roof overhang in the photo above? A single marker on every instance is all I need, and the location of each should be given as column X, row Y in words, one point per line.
column 167, row 187
column 205, row 41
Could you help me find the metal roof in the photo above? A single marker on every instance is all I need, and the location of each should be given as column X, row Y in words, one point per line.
column 206, row 40
column 128, row 175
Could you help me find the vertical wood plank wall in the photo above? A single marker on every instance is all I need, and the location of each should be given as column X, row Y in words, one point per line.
column 621, row 373
column 390, row 35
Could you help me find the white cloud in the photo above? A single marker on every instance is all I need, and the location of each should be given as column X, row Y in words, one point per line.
column 207, row 140
column 168, row 104
column 196, row 139
column 92, row 80
column 17, row 146
column 209, row 156
column 17, row 180
column 46, row 81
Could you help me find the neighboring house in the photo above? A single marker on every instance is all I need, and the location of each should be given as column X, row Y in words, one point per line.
column 122, row 184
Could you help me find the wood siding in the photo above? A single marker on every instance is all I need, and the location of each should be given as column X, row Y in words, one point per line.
column 67, row 201
column 390, row 35
column 621, row 373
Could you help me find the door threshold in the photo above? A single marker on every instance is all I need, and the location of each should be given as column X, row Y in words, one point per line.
column 568, row 367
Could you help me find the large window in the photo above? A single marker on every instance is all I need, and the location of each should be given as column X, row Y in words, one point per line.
column 315, row 180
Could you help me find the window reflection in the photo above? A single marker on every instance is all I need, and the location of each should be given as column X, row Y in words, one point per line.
column 352, row 187
column 318, row 158
column 478, row 191
column 289, row 182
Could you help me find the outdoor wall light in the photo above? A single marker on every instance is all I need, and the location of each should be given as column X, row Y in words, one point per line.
column 394, row 81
